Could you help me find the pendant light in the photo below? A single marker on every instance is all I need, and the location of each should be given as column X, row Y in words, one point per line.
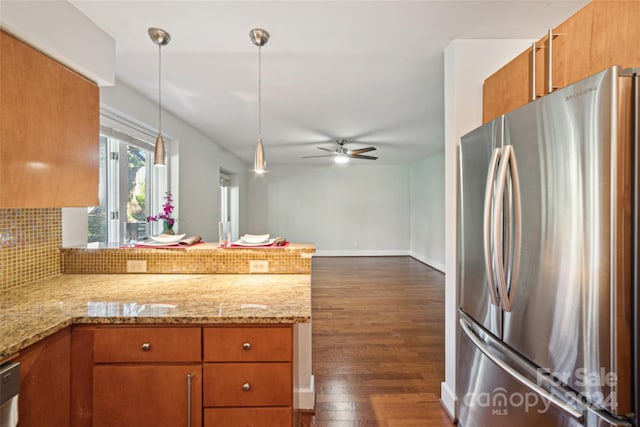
column 259, row 37
column 161, row 38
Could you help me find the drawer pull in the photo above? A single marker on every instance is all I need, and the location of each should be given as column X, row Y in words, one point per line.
column 146, row 346
column 189, row 379
column 247, row 346
column 246, row 386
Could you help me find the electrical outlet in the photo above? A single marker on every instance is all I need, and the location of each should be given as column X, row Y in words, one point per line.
column 256, row 266
column 136, row 266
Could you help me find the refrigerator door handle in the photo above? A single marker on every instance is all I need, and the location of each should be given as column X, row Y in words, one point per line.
column 554, row 400
column 507, row 162
column 517, row 228
column 486, row 221
column 498, row 219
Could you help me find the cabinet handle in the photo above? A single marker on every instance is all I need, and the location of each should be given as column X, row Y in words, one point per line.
column 534, row 49
column 550, row 63
column 146, row 346
column 246, row 346
column 550, row 86
column 246, row 386
column 189, row 376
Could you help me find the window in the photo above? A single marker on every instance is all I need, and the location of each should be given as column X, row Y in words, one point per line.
column 225, row 198
column 130, row 188
column 229, row 201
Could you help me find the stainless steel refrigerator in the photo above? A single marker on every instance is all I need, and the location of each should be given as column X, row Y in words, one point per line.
column 548, row 259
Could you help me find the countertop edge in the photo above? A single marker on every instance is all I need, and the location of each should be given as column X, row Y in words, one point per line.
column 16, row 348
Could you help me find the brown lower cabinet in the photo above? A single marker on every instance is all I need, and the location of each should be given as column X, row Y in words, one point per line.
column 127, row 375
column 45, row 382
column 147, row 395
column 247, row 376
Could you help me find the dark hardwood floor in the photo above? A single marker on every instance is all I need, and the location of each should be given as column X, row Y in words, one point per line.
column 378, row 342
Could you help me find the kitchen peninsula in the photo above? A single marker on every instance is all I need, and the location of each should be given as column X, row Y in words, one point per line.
column 241, row 341
column 204, row 258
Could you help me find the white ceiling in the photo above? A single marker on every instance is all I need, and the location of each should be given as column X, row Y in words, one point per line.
column 367, row 71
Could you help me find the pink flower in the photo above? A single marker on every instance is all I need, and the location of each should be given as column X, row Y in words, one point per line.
column 167, row 210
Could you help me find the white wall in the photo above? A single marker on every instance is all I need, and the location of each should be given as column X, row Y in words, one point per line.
column 83, row 46
column 426, row 187
column 200, row 160
column 467, row 64
column 344, row 209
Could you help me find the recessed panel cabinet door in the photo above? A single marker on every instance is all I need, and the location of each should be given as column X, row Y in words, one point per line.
column 509, row 87
column 44, row 382
column 49, row 131
column 597, row 37
column 147, row 395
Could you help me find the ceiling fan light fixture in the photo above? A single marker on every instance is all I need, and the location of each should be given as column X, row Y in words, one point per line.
column 161, row 38
column 342, row 155
column 341, row 158
column 259, row 37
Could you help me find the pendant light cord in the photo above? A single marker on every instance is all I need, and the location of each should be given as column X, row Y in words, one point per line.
column 260, row 92
column 160, row 89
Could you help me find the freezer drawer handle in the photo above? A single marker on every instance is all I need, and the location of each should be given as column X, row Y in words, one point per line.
column 486, row 221
column 519, row 377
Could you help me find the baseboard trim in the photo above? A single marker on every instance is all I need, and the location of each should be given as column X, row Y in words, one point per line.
column 306, row 397
column 362, row 253
column 448, row 401
column 431, row 263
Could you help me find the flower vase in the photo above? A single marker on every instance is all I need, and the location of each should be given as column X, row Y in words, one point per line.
column 167, row 228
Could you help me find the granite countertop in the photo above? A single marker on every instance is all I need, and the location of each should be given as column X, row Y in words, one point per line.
column 31, row 312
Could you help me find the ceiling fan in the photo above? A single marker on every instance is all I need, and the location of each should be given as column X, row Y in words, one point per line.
column 342, row 154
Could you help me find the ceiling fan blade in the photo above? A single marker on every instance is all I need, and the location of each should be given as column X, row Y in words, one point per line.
column 322, row 155
column 361, row 156
column 326, row 149
column 362, row 150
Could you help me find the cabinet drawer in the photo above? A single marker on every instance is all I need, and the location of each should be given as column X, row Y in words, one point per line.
column 248, row 417
column 146, row 345
column 272, row 344
column 247, row 384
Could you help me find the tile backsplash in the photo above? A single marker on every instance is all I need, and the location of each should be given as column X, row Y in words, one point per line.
column 296, row 259
column 30, row 245
column 31, row 238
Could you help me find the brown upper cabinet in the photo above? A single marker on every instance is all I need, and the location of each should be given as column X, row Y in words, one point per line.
column 600, row 35
column 49, row 131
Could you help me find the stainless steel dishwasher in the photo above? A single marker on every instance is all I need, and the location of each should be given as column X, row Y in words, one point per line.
column 9, row 388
